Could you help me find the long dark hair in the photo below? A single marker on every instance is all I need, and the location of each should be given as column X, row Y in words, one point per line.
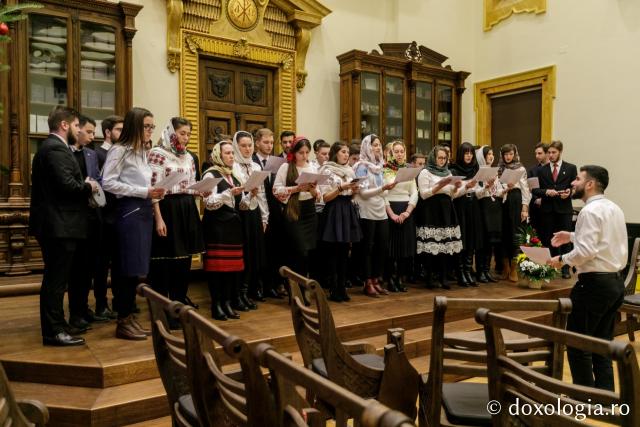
column 293, row 206
column 335, row 149
column 133, row 128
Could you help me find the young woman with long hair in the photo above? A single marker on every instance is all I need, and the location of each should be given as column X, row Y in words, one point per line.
column 223, row 233
column 515, row 208
column 341, row 225
column 438, row 231
column 127, row 175
column 254, row 212
column 373, row 214
column 399, row 203
column 178, row 228
column 301, row 222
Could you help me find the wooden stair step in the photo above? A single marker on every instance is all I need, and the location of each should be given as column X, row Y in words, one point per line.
column 86, row 406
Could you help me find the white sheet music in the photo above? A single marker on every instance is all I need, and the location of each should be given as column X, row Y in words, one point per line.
column 273, row 163
column 533, row 183
column 206, row 185
column 486, row 173
column 172, row 180
column 537, row 255
column 309, row 178
column 407, row 174
column 255, row 180
column 511, row 176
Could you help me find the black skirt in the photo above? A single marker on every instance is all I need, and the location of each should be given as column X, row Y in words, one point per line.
column 511, row 220
column 134, row 227
column 303, row 232
column 468, row 212
column 341, row 221
column 438, row 231
column 184, row 229
column 255, row 255
column 402, row 240
column 491, row 219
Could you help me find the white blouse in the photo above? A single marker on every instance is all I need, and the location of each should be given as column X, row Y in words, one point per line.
column 523, row 186
column 371, row 201
column 403, row 192
column 217, row 199
column 243, row 172
column 163, row 163
column 427, row 182
column 126, row 173
column 281, row 179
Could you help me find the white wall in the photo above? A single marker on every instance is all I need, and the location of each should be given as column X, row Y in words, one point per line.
column 594, row 45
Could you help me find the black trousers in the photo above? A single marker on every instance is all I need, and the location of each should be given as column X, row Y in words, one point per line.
column 58, row 257
column 596, row 299
column 338, row 257
column 375, row 246
column 85, row 268
column 126, row 300
column 170, row 277
column 106, row 251
column 553, row 222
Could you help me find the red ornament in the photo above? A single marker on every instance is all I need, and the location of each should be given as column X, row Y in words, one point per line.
column 4, row 29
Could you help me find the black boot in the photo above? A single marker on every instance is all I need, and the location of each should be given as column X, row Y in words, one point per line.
column 468, row 269
column 228, row 310
column 442, row 280
column 238, row 304
column 334, row 292
column 392, row 284
column 460, row 276
column 216, row 291
column 248, row 303
column 486, row 266
column 216, row 311
column 230, row 294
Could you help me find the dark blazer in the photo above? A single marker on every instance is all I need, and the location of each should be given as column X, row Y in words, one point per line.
column 102, row 156
column 275, row 207
column 566, row 175
column 92, row 162
column 59, row 195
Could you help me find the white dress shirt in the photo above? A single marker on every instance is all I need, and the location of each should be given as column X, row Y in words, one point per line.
column 427, row 182
column 600, row 239
column 164, row 163
column 281, row 179
column 126, row 173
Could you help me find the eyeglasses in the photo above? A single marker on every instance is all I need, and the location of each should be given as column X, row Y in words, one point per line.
column 442, row 158
column 149, row 127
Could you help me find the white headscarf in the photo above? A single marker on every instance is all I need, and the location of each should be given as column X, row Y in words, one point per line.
column 236, row 148
column 480, row 156
column 367, row 157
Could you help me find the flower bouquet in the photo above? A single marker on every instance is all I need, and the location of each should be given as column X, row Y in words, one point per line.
column 536, row 274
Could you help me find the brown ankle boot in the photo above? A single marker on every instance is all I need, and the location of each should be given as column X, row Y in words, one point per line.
column 127, row 331
column 378, row 287
column 513, row 273
column 506, row 269
column 137, row 324
column 370, row 290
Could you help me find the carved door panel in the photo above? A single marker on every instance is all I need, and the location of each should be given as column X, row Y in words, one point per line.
column 253, row 122
column 217, row 124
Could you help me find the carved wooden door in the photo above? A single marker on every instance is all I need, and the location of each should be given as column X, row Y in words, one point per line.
column 233, row 97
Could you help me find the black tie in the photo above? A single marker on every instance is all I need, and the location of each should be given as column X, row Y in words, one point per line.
column 264, row 163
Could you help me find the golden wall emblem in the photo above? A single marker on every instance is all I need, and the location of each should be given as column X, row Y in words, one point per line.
column 243, row 14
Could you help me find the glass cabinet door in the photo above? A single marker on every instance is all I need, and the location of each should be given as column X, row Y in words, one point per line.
column 370, row 104
column 424, row 97
column 393, row 104
column 445, row 112
column 97, row 72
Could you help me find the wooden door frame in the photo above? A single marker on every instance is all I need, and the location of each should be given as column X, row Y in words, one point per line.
column 543, row 78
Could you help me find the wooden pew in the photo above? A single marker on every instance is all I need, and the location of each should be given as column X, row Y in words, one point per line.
column 391, row 379
column 464, row 355
column 631, row 303
column 19, row 413
column 512, row 383
column 169, row 349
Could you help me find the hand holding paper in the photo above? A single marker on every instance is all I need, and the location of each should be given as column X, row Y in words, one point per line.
column 255, row 180
column 206, row 185
column 511, row 176
column 407, row 174
column 485, row 174
column 171, row 180
column 273, row 164
column 312, row 178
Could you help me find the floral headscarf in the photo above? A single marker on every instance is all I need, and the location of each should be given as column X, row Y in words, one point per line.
column 216, row 159
column 367, row 158
column 170, row 141
column 392, row 165
column 515, row 163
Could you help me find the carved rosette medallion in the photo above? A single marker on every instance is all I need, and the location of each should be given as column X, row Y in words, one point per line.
column 243, row 14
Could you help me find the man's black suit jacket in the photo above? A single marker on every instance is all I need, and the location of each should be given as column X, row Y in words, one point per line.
column 566, row 175
column 59, row 195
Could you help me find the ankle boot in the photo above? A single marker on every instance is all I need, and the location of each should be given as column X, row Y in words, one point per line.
column 127, row 331
column 442, row 281
column 228, row 310
column 248, row 303
column 460, row 276
column 392, row 284
column 216, row 311
column 369, row 289
column 238, row 304
column 334, row 291
column 486, row 267
column 506, row 269
column 513, row 273
column 468, row 269
column 379, row 287
column 137, row 324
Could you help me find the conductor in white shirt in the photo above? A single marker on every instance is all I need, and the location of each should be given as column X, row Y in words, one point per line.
column 599, row 254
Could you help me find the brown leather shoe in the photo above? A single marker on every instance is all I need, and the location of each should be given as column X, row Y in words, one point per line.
column 379, row 287
column 370, row 290
column 137, row 324
column 127, row 331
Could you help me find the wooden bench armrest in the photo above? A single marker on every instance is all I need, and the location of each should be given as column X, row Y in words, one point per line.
column 34, row 411
column 359, row 348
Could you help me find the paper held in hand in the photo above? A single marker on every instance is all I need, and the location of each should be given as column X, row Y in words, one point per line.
column 537, row 255
column 486, row 173
column 273, row 163
column 310, row 178
column 206, row 185
column 533, row 183
column 171, row 181
column 255, row 180
column 407, row 174
column 454, row 178
column 511, row 176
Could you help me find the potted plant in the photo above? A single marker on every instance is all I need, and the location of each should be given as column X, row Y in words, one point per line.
column 536, row 275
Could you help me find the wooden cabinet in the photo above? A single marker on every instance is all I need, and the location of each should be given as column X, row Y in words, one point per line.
column 70, row 52
column 404, row 93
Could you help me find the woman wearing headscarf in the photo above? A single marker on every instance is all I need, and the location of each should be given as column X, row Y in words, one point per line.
column 373, row 214
column 254, row 212
column 178, row 230
column 515, row 207
column 399, row 203
column 489, row 195
column 341, row 225
column 468, row 211
column 223, row 233
column 438, row 231
column 301, row 222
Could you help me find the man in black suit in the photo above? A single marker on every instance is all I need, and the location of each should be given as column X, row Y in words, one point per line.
column 58, row 219
column 556, row 209
column 286, row 142
column 542, row 158
column 111, row 129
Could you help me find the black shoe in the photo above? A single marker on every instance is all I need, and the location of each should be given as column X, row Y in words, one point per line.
column 228, row 311
column 106, row 312
column 258, row 296
column 92, row 317
column 490, row 277
column 335, row 296
column 187, row 301
column 272, row 293
column 344, row 295
column 392, row 284
column 216, row 312
column 73, row 331
column 238, row 305
column 347, row 284
column 62, row 339
column 79, row 323
column 247, row 302
column 482, row 277
column 400, row 285
column 565, row 272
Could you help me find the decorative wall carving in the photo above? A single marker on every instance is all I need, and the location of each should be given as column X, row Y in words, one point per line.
column 499, row 10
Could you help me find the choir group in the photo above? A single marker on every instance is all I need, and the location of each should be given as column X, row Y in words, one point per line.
column 359, row 227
